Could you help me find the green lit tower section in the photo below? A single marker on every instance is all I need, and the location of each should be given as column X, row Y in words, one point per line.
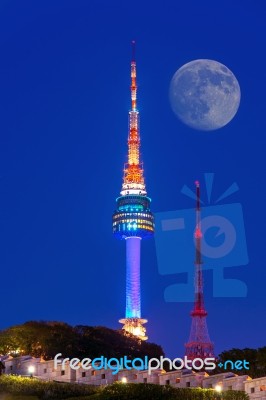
column 133, row 220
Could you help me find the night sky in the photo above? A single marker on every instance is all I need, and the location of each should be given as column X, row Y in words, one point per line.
column 64, row 101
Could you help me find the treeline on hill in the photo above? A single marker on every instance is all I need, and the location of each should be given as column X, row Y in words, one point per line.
column 46, row 339
column 255, row 357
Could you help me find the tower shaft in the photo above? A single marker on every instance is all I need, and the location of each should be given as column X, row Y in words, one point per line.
column 199, row 344
column 133, row 302
column 133, row 219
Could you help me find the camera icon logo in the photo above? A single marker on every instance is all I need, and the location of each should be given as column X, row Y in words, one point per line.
column 223, row 245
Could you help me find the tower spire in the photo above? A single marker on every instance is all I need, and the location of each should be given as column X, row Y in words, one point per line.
column 133, row 182
column 133, row 219
column 199, row 344
column 133, row 78
column 133, row 43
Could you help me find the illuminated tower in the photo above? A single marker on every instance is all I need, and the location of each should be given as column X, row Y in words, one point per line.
column 133, row 219
column 199, row 344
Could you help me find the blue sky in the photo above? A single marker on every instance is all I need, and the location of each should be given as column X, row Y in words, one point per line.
column 64, row 99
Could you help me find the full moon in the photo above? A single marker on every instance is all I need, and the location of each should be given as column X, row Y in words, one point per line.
column 204, row 94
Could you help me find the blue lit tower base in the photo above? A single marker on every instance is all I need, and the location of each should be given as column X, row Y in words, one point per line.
column 133, row 323
column 133, row 221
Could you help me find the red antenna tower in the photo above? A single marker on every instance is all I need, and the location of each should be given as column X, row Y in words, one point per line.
column 199, row 344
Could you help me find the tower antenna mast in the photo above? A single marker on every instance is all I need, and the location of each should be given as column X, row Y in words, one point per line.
column 199, row 344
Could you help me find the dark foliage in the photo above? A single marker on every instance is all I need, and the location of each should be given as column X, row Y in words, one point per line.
column 42, row 389
column 118, row 391
column 46, row 339
column 142, row 391
column 255, row 357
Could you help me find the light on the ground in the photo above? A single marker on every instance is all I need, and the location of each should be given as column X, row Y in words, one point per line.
column 31, row 369
column 218, row 388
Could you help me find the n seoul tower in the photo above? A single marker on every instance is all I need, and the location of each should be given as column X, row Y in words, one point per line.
column 133, row 220
column 199, row 344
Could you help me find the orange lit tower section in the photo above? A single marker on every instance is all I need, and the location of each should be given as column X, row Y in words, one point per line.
column 133, row 220
column 199, row 344
column 133, row 171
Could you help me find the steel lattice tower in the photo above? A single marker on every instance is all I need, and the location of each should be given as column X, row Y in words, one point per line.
column 133, row 219
column 199, row 344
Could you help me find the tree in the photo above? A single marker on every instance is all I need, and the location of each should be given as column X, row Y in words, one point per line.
column 255, row 357
column 46, row 339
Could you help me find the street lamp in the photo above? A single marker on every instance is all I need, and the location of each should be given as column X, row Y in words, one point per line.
column 31, row 370
column 124, row 379
column 218, row 388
